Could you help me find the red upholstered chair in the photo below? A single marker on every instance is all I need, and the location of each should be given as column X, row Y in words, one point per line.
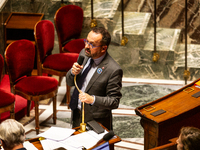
column 53, row 64
column 7, row 103
column 7, row 99
column 20, row 102
column 1, row 67
column 19, row 58
column 68, row 21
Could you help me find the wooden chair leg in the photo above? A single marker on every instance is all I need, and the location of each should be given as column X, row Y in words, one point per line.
column 68, row 95
column 54, row 110
column 12, row 112
column 60, row 80
column 28, row 107
column 37, row 117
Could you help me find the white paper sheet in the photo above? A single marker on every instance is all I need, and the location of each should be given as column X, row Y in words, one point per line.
column 57, row 137
column 29, row 145
column 85, row 139
column 52, row 145
column 57, row 133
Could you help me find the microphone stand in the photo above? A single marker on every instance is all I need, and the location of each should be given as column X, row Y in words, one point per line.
column 82, row 125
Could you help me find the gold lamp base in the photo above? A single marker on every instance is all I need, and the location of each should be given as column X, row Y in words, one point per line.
column 186, row 74
column 82, row 127
column 93, row 23
column 124, row 41
column 155, row 57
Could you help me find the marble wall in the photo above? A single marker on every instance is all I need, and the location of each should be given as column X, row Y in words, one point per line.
column 135, row 57
column 171, row 14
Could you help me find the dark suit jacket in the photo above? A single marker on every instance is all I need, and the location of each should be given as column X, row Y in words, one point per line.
column 105, row 86
column 22, row 149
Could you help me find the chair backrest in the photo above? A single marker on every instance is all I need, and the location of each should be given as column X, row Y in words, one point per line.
column 1, row 67
column 44, row 36
column 68, row 21
column 19, row 58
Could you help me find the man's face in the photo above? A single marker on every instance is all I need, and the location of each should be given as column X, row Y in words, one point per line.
column 93, row 47
column 179, row 143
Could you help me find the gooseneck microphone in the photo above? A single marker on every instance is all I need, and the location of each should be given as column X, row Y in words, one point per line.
column 105, row 139
column 83, row 124
column 80, row 62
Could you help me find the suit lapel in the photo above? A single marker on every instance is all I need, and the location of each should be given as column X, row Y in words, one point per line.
column 84, row 63
column 100, row 69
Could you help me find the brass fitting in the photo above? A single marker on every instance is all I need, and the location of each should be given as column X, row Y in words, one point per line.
column 186, row 74
column 93, row 23
column 155, row 57
column 124, row 41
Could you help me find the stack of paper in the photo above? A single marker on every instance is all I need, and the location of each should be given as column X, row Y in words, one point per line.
column 57, row 137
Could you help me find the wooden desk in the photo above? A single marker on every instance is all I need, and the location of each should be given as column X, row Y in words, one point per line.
column 21, row 26
column 170, row 146
column 181, row 110
column 37, row 144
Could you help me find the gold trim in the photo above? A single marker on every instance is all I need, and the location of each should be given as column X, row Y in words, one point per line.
column 191, row 89
column 151, row 108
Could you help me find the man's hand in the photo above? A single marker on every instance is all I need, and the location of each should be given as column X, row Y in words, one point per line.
column 84, row 97
column 76, row 68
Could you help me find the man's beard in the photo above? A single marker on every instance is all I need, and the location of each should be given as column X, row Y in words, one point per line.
column 88, row 53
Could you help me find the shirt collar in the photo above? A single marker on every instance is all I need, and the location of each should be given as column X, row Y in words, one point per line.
column 98, row 60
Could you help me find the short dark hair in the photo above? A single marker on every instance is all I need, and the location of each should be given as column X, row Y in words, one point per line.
column 106, row 38
column 190, row 138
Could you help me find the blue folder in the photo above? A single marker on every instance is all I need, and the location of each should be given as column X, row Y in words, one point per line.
column 104, row 146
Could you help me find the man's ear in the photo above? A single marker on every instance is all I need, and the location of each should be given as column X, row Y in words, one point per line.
column 104, row 48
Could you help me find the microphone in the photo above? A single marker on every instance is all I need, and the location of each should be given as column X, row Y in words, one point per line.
column 82, row 125
column 105, row 139
column 80, row 60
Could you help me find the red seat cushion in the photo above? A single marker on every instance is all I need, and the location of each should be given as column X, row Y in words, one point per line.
column 20, row 108
column 7, row 98
column 20, row 102
column 74, row 46
column 60, row 62
column 1, row 67
column 37, row 85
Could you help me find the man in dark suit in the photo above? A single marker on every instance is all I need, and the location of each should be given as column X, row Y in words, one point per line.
column 100, row 91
